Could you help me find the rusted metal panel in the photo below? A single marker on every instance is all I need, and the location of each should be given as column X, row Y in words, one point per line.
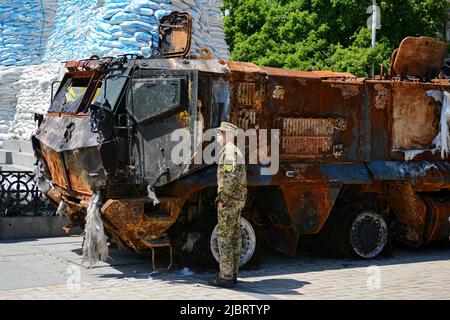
column 409, row 210
column 438, row 227
column 129, row 223
column 309, row 205
column 345, row 102
column 85, row 170
column 337, row 173
column 330, row 74
column 419, row 57
column 175, row 35
column 212, row 66
column 277, row 72
column 415, row 117
column 248, row 97
column 300, row 102
column 244, row 67
column 379, row 97
column 67, row 133
column 308, row 147
column 55, row 165
column 308, row 127
column 245, row 94
column 310, row 137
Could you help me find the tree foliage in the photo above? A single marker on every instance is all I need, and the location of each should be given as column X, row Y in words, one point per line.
column 325, row 34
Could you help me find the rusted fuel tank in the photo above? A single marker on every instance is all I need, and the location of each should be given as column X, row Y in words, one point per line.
column 365, row 156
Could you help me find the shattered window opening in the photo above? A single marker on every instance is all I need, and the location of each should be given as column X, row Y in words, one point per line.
column 70, row 96
column 151, row 98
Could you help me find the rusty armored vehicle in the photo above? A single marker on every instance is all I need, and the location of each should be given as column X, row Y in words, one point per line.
column 361, row 161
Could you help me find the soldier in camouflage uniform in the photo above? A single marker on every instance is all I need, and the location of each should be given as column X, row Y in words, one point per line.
column 232, row 194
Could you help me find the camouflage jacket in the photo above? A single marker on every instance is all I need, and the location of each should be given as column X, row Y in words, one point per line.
column 231, row 175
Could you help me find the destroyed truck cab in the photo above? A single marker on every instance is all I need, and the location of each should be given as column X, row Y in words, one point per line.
column 360, row 160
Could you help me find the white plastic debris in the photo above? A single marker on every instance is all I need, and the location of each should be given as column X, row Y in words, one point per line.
column 413, row 171
column 192, row 238
column 187, row 272
column 152, row 195
column 63, row 209
column 95, row 246
column 442, row 140
column 411, row 154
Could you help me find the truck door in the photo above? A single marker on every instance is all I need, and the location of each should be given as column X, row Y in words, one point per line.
column 160, row 102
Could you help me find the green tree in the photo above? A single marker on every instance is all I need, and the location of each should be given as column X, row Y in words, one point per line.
column 325, row 34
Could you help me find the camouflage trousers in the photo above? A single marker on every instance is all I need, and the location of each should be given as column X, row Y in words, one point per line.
column 229, row 238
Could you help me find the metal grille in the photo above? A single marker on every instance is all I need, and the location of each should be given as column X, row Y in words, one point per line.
column 308, row 137
column 308, row 127
column 246, row 92
column 19, row 195
column 308, row 146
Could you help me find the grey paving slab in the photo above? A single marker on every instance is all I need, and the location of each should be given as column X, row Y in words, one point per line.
column 42, row 269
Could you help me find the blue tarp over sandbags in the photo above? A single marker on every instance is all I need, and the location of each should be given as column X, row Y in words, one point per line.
column 126, row 26
column 31, row 32
column 25, row 26
column 73, row 23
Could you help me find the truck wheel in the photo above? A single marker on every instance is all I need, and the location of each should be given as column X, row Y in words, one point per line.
column 248, row 242
column 368, row 234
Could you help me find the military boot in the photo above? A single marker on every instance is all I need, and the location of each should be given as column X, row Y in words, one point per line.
column 220, row 282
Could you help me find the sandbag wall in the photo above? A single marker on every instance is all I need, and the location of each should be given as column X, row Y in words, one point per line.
column 50, row 31
column 8, row 98
column 74, row 22
column 23, row 92
column 25, row 26
column 112, row 27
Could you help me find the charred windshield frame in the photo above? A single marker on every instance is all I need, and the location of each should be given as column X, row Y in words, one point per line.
column 113, row 89
column 75, row 93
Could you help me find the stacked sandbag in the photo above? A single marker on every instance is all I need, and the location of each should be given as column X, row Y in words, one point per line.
column 8, row 97
column 207, row 25
column 74, row 22
column 25, row 26
column 33, row 92
column 126, row 26
column 131, row 26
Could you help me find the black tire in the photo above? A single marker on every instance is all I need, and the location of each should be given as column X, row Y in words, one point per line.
column 358, row 233
column 368, row 234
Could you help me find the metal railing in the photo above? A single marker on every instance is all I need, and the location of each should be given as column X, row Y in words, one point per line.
column 20, row 195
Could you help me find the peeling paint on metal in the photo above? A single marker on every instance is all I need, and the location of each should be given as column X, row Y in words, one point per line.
column 348, row 91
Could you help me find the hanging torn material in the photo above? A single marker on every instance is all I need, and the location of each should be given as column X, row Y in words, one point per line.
column 152, row 195
column 442, row 140
column 63, row 209
column 95, row 245
column 411, row 154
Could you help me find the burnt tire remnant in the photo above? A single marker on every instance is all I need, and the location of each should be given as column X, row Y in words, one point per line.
column 368, row 234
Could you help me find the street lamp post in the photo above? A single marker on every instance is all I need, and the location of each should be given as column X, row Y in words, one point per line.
column 374, row 30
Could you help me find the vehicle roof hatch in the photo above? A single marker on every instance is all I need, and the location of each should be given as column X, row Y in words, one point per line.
column 175, row 35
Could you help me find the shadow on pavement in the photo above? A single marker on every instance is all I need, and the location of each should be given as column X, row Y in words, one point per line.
column 138, row 266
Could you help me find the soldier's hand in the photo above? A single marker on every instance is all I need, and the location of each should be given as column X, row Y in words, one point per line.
column 220, row 205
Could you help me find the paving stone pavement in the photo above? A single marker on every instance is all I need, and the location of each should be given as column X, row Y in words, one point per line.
column 53, row 269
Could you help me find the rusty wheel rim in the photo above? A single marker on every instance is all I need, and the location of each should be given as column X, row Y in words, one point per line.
column 248, row 242
column 369, row 234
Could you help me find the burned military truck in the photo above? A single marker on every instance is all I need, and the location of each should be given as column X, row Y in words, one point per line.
column 361, row 160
